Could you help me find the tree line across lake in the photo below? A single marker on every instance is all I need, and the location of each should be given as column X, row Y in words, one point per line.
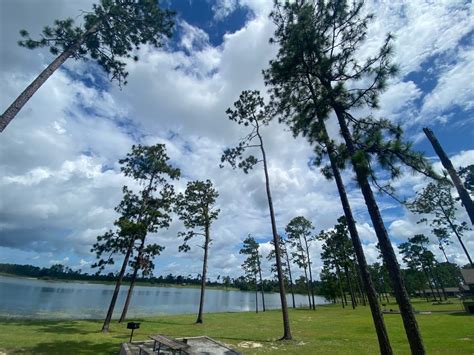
column 317, row 77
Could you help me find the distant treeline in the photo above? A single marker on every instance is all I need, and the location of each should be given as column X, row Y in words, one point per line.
column 61, row 272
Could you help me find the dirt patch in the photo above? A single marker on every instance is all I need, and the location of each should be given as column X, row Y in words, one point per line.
column 249, row 345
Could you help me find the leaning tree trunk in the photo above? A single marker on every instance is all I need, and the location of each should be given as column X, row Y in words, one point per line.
column 132, row 282
column 204, row 275
column 408, row 315
column 276, row 241
column 129, row 295
column 377, row 315
column 310, row 273
column 463, row 194
column 108, row 317
column 453, row 227
column 23, row 98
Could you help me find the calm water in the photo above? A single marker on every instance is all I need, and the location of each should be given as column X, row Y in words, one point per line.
column 44, row 299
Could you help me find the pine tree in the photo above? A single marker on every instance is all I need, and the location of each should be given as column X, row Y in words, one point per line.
column 316, row 72
column 251, row 111
column 196, row 210
column 252, row 266
column 436, row 198
column 109, row 35
column 299, row 231
column 140, row 213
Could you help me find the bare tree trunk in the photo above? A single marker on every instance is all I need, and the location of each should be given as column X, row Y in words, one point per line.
column 351, row 289
column 343, row 296
column 276, row 241
column 463, row 194
column 310, row 273
column 204, row 275
column 377, row 315
column 129, row 295
column 256, row 294
column 308, row 290
column 460, row 241
column 408, row 315
column 261, row 282
column 23, row 98
column 291, row 279
column 444, row 252
column 132, row 282
column 108, row 317
column 430, row 284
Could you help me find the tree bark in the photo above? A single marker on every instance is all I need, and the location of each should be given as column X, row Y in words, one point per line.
column 256, row 294
column 453, row 227
column 108, row 317
column 351, row 289
column 23, row 98
column 276, row 241
column 463, row 194
column 408, row 315
column 310, row 273
column 307, row 287
column 132, row 283
column 204, row 275
column 338, row 274
column 261, row 282
column 377, row 315
column 291, row 279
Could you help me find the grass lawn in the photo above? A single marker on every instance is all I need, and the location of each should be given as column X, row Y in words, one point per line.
column 328, row 330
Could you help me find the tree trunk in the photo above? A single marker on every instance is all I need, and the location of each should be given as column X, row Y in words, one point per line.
column 204, row 275
column 408, row 315
column 310, row 273
column 338, row 275
column 291, row 279
column 276, row 241
column 132, row 282
column 377, row 315
column 438, row 283
column 453, row 227
column 308, row 290
column 430, row 284
column 23, row 98
column 108, row 317
column 261, row 282
column 256, row 294
column 463, row 194
column 351, row 289
column 129, row 295
column 444, row 252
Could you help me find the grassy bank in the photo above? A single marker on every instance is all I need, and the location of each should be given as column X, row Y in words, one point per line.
column 328, row 330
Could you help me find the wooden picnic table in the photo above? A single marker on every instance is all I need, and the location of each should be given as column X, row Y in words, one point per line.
column 175, row 346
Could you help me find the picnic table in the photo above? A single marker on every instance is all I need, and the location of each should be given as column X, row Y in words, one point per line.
column 167, row 343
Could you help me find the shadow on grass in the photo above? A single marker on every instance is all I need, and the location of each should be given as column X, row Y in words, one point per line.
column 71, row 347
column 57, row 327
column 461, row 314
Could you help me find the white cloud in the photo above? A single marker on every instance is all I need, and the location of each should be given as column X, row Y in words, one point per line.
column 58, row 160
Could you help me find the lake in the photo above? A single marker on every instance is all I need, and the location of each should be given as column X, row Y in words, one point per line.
column 31, row 298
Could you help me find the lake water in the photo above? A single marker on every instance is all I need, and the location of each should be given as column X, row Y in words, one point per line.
column 66, row 300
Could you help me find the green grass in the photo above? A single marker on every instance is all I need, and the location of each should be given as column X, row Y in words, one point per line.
column 328, row 330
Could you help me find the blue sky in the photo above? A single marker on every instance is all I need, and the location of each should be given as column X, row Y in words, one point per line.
column 60, row 179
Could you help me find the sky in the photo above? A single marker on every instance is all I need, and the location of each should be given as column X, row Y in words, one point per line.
column 59, row 174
